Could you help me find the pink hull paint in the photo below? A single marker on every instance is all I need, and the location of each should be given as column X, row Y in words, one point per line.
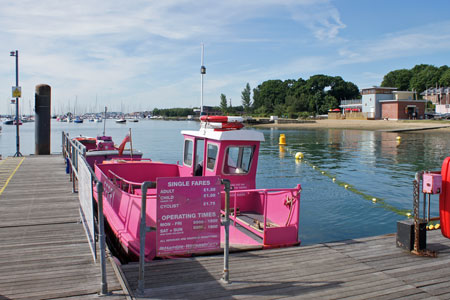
column 265, row 218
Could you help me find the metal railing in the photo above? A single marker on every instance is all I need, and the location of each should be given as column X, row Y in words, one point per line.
column 72, row 151
column 351, row 102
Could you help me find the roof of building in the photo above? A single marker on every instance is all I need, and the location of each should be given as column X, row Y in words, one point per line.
column 380, row 87
column 228, row 135
column 435, row 91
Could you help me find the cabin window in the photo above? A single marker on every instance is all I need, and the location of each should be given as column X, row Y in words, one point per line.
column 211, row 157
column 238, row 159
column 199, row 151
column 188, row 147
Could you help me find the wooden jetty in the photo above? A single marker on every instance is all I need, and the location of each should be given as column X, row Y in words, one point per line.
column 44, row 254
column 367, row 268
column 414, row 128
column 44, row 251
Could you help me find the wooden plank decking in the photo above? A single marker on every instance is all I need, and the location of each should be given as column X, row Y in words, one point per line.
column 369, row 268
column 44, row 252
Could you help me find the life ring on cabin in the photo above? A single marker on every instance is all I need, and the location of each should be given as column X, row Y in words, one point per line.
column 221, row 119
column 444, row 199
column 222, row 123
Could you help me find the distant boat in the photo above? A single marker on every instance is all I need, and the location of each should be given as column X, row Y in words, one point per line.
column 78, row 120
column 98, row 120
column 133, row 120
column 121, row 121
column 12, row 122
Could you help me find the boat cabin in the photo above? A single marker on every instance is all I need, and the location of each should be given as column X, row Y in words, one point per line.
column 220, row 148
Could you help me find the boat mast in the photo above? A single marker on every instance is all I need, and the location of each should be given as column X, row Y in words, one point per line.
column 202, row 72
column 104, row 123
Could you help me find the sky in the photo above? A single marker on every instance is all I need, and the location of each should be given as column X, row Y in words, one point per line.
column 139, row 55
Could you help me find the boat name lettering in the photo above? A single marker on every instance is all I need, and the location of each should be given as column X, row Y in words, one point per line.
column 179, row 216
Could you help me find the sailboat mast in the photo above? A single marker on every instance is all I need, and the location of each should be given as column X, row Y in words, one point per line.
column 202, row 72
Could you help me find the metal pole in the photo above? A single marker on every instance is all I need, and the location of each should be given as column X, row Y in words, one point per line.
column 101, row 225
column 202, row 72
column 143, row 231
column 226, row 223
column 104, row 121
column 17, row 154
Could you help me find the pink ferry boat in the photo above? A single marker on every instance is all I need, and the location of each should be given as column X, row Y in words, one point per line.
column 103, row 148
column 260, row 218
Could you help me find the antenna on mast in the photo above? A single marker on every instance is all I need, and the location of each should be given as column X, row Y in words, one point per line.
column 202, row 72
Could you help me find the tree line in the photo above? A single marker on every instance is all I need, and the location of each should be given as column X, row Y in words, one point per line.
column 295, row 98
column 318, row 94
column 419, row 78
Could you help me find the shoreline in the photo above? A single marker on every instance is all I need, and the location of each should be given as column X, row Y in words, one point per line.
column 373, row 125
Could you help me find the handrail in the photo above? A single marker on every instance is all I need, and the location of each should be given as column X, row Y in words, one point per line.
column 142, row 233
column 125, row 180
column 280, row 190
column 70, row 151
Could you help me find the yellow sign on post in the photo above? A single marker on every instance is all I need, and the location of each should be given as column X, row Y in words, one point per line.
column 17, row 92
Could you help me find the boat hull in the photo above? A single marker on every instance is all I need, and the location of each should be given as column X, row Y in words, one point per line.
column 265, row 218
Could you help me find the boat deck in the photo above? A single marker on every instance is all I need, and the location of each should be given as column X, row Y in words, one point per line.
column 44, row 251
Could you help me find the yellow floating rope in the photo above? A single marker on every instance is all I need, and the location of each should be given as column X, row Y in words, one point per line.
column 376, row 200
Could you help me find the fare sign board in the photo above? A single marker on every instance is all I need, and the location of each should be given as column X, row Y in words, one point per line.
column 187, row 215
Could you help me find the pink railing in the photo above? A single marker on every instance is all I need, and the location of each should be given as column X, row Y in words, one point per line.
column 132, row 186
column 268, row 195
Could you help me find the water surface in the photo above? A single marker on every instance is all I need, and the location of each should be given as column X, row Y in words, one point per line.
column 372, row 163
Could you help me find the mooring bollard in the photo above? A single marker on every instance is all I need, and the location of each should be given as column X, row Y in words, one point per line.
column 42, row 119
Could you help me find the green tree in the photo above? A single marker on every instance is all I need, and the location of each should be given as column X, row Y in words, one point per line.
column 445, row 78
column 428, row 76
column 246, row 100
column 279, row 110
column 223, row 104
column 398, row 78
column 269, row 93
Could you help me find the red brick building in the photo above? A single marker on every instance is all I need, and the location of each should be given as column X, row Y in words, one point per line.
column 403, row 107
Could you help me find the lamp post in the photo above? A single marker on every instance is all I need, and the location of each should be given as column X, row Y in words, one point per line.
column 16, row 54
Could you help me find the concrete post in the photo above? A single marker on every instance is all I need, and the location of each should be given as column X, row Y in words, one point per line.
column 42, row 119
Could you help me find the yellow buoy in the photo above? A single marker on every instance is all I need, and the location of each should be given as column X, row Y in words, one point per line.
column 323, row 172
column 374, row 199
column 428, row 227
column 314, row 167
column 346, row 186
column 431, row 227
column 399, row 138
column 408, row 215
column 437, row 226
column 334, row 179
column 282, row 139
column 299, row 155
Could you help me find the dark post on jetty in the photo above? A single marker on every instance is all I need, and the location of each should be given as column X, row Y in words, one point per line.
column 42, row 119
